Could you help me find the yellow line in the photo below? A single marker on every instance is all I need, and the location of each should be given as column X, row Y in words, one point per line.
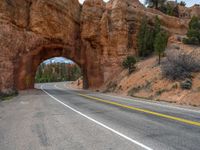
column 143, row 110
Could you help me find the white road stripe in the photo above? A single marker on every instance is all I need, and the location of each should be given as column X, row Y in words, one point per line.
column 99, row 123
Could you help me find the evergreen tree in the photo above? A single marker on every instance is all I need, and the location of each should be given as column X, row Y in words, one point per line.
column 160, row 44
column 157, row 27
column 129, row 63
column 193, row 35
column 182, row 3
column 140, row 37
column 56, row 72
column 151, row 39
column 146, row 37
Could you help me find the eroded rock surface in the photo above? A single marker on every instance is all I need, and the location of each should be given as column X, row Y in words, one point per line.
column 29, row 29
column 97, row 36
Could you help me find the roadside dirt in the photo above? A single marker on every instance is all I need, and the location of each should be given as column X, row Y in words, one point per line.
column 147, row 82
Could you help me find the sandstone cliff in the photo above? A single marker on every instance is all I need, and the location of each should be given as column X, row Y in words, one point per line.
column 96, row 35
column 29, row 25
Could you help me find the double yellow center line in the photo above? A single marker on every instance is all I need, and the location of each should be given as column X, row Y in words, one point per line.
column 143, row 110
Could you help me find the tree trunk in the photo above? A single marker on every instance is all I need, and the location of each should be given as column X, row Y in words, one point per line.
column 156, row 3
column 159, row 59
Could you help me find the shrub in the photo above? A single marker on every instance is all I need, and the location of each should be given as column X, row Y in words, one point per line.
column 129, row 63
column 134, row 90
column 111, row 87
column 160, row 92
column 175, row 86
column 179, row 66
column 186, row 85
column 191, row 41
column 8, row 95
column 193, row 34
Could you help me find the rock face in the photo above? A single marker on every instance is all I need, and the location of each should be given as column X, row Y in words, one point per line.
column 188, row 13
column 97, row 36
column 32, row 31
column 108, row 32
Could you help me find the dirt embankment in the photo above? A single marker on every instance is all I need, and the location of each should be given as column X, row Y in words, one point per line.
column 147, row 82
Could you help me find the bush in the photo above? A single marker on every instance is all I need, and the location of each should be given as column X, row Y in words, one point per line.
column 111, row 87
column 134, row 90
column 193, row 34
column 169, row 9
column 129, row 63
column 179, row 66
column 186, row 85
column 191, row 41
column 160, row 92
column 8, row 95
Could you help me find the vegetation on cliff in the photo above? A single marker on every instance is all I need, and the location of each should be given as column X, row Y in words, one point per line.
column 145, row 39
column 193, row 35
column 8, row 95
column 160, row 44
column 151, row 39
column 129, row 63
column 179, row 66
column 57, row 72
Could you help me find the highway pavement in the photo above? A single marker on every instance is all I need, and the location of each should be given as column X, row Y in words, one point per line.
column 57, row 117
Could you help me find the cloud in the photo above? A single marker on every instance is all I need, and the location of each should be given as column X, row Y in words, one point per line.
column 81, row 1
column 188, row 2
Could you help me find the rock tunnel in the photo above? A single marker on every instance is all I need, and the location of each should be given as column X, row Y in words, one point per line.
column 95, row 35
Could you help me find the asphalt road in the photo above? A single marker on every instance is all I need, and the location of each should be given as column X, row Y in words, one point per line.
column 55, row 117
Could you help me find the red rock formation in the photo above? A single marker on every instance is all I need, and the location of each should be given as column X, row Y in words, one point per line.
column 113, row 29
column 97, row 36
column 188, row 13
column 32, row 31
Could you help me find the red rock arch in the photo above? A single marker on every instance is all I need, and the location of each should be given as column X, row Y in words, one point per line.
column 98, row 36
column 26, row 66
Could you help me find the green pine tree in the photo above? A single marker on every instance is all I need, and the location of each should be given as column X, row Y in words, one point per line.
column 129, row 63
column 160, row 44
column 193, row 34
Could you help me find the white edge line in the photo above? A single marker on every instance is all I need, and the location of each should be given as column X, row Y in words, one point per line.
column 99, row 123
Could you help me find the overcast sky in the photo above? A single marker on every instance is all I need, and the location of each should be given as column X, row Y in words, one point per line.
column 188, row 2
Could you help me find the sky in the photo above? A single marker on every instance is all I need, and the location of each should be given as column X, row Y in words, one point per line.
column 188, row 2
column 58, row 60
